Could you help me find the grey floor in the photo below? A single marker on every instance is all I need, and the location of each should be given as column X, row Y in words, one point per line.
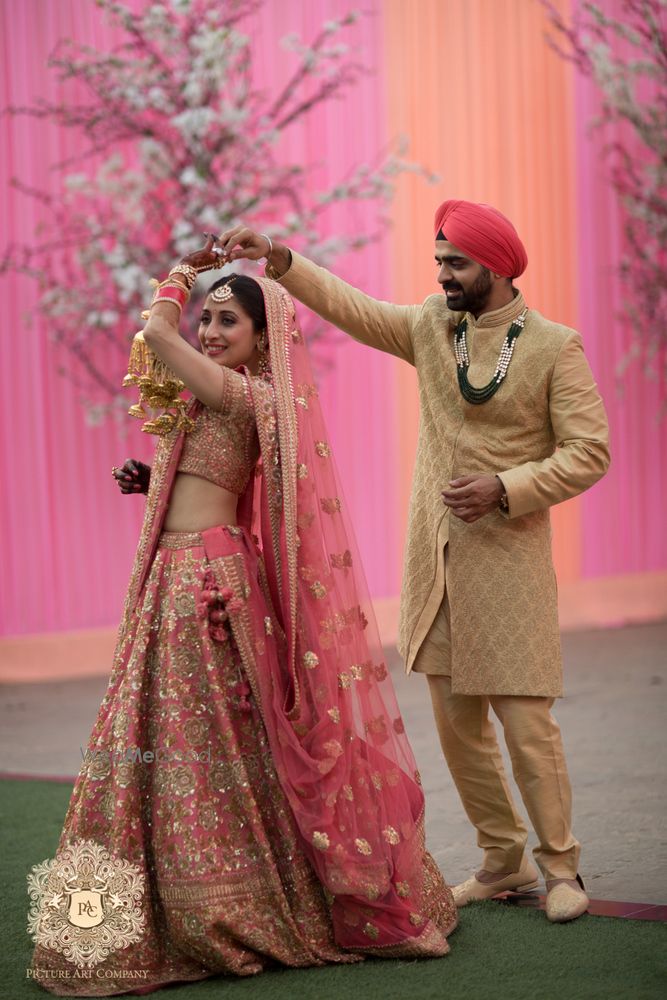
column 613, row 722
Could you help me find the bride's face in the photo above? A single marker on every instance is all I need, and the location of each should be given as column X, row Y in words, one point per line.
column 227, row 335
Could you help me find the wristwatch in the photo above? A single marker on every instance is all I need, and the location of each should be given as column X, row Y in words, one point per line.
column 503, row 503
column 270, row 271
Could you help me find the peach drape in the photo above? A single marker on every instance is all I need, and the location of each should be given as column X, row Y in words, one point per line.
column 487, row 105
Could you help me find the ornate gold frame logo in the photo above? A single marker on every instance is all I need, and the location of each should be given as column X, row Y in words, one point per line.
column 86, row 903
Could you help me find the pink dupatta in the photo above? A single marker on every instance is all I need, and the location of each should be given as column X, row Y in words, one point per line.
column 330, row 710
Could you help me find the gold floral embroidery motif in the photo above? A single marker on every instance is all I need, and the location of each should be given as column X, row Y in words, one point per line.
column 320, row 840
column 310, row 660
column 341, row 560
column 344, row 681
column 302, row 402
column 378, row 727
column 371, row 931
column 333, row 748
column 403, row 889
column 344, row 619
column 268, row 626
column 376, row 778
column 330, row 505
column 302, row 471
column 322, row 449
column 99, row 767
column 398, row 725
column 393, row 777
column 348, row 793
column 318, row 590
column 360, row 671
column 363, row 846
column 307, row 389
column 380, row 671
column 391, row 835
column 196, row 731
column 416, row 919
column 334, row 714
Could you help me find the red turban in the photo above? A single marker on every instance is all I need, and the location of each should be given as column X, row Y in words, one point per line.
column 484, row 234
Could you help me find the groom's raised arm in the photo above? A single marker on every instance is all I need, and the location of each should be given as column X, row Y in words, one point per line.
column 378, row 324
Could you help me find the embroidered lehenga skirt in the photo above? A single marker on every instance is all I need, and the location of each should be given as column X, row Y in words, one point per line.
column 178, row 781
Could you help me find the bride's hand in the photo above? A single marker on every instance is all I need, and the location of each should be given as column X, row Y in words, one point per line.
column 207, row 258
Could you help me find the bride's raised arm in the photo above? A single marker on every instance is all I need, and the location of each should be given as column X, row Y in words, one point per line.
column 204, row 378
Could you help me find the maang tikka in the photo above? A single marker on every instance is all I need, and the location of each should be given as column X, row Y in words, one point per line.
column 223, row 293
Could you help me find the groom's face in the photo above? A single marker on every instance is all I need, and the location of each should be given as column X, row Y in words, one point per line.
column 467, row 285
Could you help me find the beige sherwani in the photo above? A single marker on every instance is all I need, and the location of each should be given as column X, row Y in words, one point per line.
column 544, row 432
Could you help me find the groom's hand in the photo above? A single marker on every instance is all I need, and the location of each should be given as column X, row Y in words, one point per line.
column 245, row 242
column 472, row 497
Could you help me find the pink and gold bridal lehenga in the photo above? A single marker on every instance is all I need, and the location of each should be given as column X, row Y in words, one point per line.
column 280, row 819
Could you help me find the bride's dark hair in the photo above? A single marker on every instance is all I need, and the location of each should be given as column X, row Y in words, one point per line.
column 249, row 296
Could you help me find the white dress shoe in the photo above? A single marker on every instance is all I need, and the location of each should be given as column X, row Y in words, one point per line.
column 564, row 902
column 522, row 881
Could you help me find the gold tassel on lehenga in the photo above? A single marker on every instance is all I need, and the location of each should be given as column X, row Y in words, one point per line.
column 159, row 389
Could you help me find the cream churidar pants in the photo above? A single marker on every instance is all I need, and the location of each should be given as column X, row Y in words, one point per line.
column 533, row 738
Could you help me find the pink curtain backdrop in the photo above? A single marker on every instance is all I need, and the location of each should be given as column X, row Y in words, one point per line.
column 624, row 517
column 69, row 536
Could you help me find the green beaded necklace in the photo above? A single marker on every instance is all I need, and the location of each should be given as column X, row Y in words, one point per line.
column 468, row 391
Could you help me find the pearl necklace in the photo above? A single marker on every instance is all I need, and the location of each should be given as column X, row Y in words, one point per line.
column 468, row 391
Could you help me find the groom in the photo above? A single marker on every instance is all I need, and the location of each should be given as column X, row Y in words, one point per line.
column 511, row 423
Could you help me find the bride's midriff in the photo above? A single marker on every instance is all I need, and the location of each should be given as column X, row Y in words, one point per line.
column 197, row 504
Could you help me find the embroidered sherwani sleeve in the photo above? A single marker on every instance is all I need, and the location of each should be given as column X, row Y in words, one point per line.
column 580, row 427
column 378, row 324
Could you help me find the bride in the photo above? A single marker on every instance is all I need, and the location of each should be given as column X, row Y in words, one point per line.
column 248, row 766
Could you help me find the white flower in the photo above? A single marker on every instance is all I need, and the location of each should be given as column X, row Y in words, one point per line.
column 194, row 123
column 181, row 229
column 157, row 97
column 191, row 178
column 76, row 181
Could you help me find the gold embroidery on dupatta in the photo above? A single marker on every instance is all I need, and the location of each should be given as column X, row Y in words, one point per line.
column 330, row 505
column 341, row 560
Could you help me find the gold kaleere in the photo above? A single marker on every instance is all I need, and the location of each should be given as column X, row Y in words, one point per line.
column 159, row 389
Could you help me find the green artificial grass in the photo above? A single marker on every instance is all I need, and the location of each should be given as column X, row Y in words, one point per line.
column 498, row 952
